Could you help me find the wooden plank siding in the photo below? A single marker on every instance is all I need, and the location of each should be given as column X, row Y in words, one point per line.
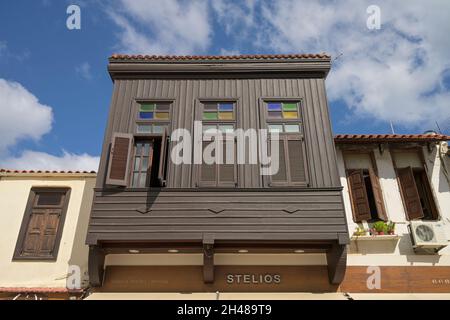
column 140, row 215
column 305, row 213
column 185, row 94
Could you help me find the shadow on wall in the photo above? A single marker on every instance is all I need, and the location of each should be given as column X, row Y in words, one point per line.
column 80, row 251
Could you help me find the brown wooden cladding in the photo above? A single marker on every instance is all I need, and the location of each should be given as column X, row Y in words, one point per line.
column 237, row 215
column 186, row 93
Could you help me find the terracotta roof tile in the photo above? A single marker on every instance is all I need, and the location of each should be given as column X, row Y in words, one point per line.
column 367, row 138
column 218, row 57
column 46, row 171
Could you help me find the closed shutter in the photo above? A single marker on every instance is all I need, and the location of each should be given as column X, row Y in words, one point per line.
column 378, row 195
column 207, row 171
column 163, row 159
column 296, row 159
column 281, row 178
column 292, row 160
column 218, row 175
column 410, row 195
column 119, row 159
column 32, row 240
column 358, row 194
column 40, row 238
column 227, row 171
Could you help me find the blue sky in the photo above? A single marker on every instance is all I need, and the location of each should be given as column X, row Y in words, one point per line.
column 55, row 90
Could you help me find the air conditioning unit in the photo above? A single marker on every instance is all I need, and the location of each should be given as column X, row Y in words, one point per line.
column 428, row 235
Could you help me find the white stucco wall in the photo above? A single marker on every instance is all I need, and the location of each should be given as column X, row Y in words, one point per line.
column 399, row 252
column 14, row 192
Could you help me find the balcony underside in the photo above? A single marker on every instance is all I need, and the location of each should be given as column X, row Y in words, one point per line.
column 213, row 221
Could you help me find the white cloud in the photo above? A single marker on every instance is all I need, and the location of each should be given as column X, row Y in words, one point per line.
column 393, row 74
column 162, row 27
column 33, row 160
column 22, row 115
column 84, row 70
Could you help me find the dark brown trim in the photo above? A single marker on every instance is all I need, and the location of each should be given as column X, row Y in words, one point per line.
column 96, row 263
column 26, row 220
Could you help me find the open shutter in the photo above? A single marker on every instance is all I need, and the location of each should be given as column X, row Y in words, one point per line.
column 358, row 194
column 296, row 160
column 119, row 159
column 163, row 159
column 410, row 194
column 378, row 195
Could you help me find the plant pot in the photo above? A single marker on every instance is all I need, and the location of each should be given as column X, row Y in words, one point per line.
column 381, row 233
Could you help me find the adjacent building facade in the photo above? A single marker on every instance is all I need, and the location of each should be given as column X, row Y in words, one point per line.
column 44, row 222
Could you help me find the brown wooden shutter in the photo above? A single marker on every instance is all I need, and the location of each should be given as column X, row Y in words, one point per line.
column 163, row 159
column 296, row 160
column 281, row 177
column 292, row 169
column 40, row 238
column 227, row 172
column 119, row 159
column 358, row 195
column 410, row 195
column 33, row 234
column 208, row 174
column 378, row 195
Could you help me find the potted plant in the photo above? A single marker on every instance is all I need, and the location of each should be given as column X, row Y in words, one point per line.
column 359, row 232
column 391, row 228
column 380, row 228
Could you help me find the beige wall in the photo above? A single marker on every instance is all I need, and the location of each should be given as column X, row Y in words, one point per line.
column 14, row 192
column 399, row 252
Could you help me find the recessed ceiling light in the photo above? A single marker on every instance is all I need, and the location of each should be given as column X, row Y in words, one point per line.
column 243, row 251
column 133, row 251
column 299, row 251
column 173, row 251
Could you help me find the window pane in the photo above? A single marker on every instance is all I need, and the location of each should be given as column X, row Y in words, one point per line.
column 226, row 115
column 289, row 107
column 290, row 115
column 292, row 128
column 162, row 115
column 144, row 128
column 144, row 164
column 135, row 179
column 147, row 107
column 142, row 180
column 163, row 107
column 146, row 149
column 158, row 129
column 275, row 115
column 275, row 128
column 274, row 106
column 205, row 128
column 146, row 115
column 226, row 107
column 137, row 163
column 49, row 199
column 226, row 128
column 210, row 115
column 138, row 148
column 210, row 107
